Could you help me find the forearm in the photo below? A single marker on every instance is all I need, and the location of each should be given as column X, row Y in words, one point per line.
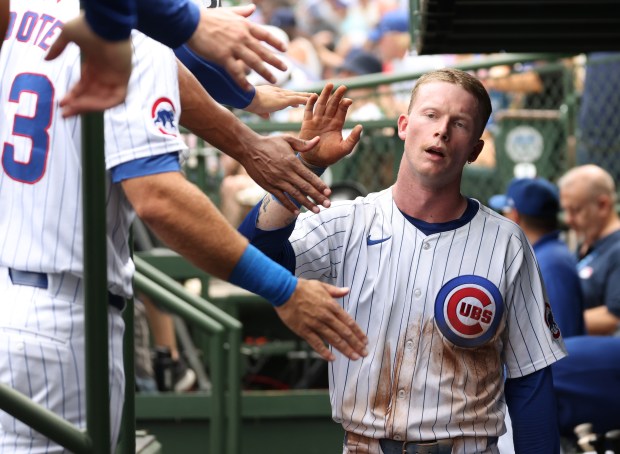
column 186, row 221
column 207, row 119
column 4, row 18
column 599, row 321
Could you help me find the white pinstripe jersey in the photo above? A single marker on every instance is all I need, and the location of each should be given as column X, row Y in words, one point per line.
column 443, row 314
column 40, row 177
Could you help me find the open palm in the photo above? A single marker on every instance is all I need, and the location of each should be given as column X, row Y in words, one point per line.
column 324, row 116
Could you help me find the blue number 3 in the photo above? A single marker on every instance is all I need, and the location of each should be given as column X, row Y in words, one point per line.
column 34, row 127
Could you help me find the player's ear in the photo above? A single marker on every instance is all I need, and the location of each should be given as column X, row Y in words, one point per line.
column 403, row 121
column 476, row 151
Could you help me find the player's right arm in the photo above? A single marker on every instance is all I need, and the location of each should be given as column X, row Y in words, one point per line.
column 186, row 220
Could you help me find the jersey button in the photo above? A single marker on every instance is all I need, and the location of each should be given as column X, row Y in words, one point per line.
column 409, row 344
column 426, row 246
column 417, row 292
column 398, row 437
column 401, row 393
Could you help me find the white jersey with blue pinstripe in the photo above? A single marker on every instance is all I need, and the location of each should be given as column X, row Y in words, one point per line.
column 443, row 313
column 42, row 329
column 40, row 179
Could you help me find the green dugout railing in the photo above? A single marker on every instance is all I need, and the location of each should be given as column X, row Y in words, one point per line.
column 176, row 298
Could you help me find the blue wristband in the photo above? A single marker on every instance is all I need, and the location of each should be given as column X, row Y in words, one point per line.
column 258, row 274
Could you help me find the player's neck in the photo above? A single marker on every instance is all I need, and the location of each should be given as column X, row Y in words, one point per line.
column 429, row 204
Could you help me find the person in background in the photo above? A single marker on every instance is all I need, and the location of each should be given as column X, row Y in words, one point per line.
column 533, row 204
column 588, row 197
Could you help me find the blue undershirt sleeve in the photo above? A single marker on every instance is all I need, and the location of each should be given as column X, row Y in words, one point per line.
column 111, row 19
column 141, row 167
column 171, row 22
column 274, row 244
column 215, row 79
column 533, row 411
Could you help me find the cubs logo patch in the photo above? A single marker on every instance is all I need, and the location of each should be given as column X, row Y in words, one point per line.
column 468, row 310
column 550, row 322
column 162, row 114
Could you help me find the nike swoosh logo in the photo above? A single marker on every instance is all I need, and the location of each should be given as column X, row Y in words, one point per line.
column 371, row 242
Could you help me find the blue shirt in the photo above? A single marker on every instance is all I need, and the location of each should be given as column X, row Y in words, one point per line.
column 558, row 267
column 599, row 271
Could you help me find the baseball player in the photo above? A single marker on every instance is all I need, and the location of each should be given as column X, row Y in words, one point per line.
column 41, row 261
column 447, row 290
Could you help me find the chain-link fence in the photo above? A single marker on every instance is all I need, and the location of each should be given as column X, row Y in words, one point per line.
column 537, row 127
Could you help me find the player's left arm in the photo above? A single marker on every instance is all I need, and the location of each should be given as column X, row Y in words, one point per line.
column 533, row 409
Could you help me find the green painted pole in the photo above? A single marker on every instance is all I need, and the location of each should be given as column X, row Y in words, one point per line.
column 95, row 284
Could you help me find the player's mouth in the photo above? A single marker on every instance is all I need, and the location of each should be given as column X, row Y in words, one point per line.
column 436, row 152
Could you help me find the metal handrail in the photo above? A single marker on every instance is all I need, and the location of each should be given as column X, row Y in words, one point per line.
column 233, row 341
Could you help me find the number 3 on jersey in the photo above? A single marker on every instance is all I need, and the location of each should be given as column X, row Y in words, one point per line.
column 34, row 127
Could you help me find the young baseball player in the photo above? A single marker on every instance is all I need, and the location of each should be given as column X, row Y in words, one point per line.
column 447, row 290
column 41, row 243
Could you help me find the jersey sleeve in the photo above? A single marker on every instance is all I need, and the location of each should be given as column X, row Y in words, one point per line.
column 171, row 22
column 532, row 338
column 319, row 241
column 146, row 124
column 215, row 79
column 111, row 19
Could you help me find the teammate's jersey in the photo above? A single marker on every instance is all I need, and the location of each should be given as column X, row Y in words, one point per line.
column 443, row 313
column 40, row 176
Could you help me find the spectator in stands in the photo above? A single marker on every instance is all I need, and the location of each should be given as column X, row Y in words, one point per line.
column 533, row 204
column 588, row 197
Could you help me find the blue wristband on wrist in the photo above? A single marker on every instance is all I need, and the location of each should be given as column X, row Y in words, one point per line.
column 258, row 274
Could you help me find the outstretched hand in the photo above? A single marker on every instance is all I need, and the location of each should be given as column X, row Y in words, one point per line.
column 271, row 98
column 225, row 36
column 106, row 68
column 313, row 314
column 324, row 117
column 273, row 165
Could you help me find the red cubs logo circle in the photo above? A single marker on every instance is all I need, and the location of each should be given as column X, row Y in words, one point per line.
column 468, row 310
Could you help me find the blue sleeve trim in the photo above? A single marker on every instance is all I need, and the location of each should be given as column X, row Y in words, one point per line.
column 142, row 167
column 171, row 22
column 533, row 411
column 274, row 243
column 111, row 19
column 258, row 274
column 215, row 79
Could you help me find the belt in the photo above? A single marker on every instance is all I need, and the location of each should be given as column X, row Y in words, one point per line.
column 39, row 280
column 412, row 447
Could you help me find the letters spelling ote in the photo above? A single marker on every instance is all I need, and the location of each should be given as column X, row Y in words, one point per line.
column 37, row 29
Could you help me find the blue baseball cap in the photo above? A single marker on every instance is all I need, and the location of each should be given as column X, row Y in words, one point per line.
column 392, row 21
column 535, row 197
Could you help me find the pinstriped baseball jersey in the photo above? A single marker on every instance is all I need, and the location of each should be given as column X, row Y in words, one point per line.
column 42, row 329
column 443, row 313
column 40, row 179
